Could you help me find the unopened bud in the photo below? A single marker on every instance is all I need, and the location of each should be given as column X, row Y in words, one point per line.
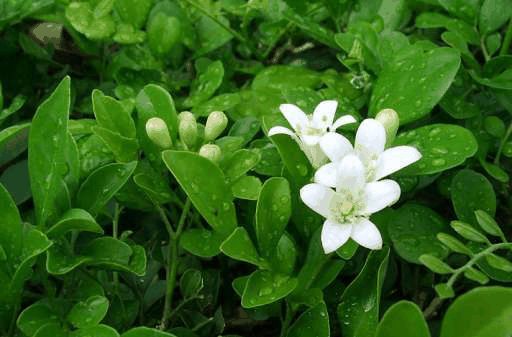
column 158, row 133
column 211, row 151
column 389, row 119
column 215, row 124
column 188, row 129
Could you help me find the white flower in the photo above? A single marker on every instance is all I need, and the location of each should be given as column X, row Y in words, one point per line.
column 309, row 129
column 369, row 147
column 347, row 209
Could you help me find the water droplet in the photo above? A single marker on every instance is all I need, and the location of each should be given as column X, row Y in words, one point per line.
column 303, row 170
column 284, row 199
column 274, row 207
column 418, row 103
column 434, row 132
column 282, row 218
column 214, row 197
column 438, row 162
column 265, row 291
column 440, row 150
column 452, row 135
column 225, row 206
column 194, row 187
column 422, row 166
column 206, row 234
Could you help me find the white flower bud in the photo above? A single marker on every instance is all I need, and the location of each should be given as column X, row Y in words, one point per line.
column 211, row 151
column 389, row 119
column 215, row 124
column 158, row 132
column 187, row 129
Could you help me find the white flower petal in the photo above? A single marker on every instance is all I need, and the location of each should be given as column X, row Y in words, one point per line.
column 334, row 235
column 350, row 174
column 396, row 158
column 371, row 135
column 295, row 116
column 276, row 130
column 315, row 154
column 366, row 234
column 317, row 197
column 347, row 119
column 324, row 114
column 327, row 175
column 310, row 140
column 335, row 146
column 380, row 194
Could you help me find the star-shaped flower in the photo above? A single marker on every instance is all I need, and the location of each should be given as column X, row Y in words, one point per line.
column 347, row 210
column 369, row 147
column 309, row 129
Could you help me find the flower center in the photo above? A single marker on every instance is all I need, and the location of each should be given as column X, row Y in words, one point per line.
column 369, row 160
column 346, row 208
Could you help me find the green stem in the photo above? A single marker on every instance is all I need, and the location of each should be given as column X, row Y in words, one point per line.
column 503, row 141
column 287, row 320
column 484, row 50
column 474, row 259
column 507, row 40
column 115, row 229
column 172, row 263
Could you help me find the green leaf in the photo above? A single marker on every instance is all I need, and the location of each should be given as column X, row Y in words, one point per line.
column 35, row 316
column 13, row 141
column 413, row 232
column 465, row 9
column 108, row 249
column 222, row 102
column 74, row 219
column 206, row 84
column 279, row 77
column 101, row 185
column 104, row 7
column 499, row 81
column 238, row 163
column 495, row 171
column 152, row 184
column 476, row 275
column 313, row 322
column 124, row 149
column 146, row 332
column 81, row 17
column 487, row 223
column 490, row 309
column 493, row 14
column 471, row 191
column 310, row 27
column 133, row 12
column 126, row 34
column 285, row 255
column 444, row 291
column 403, row 319
column 111, row 115
column 348, row 249
column 273, row 212
column 414, row 83
column 442, row 147
column 202, row 242
column 88, row 313
column 47, row 162
column 191, row 283
column 435, row 264
column 499, row 263
column 454, row 244
column 52, row 330
column 96, row 331
column 240, row 247
column 358, row 311
column 247, row 187
column 211, row 34
column 264, row 287
column 11, row 239
column 436, row 20
column 205, row 185
column 468, row 232
column 458, row 43
column 163, row 33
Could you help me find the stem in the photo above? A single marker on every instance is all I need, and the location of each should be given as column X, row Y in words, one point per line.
column 431, row 309
column 507, row 40
column 115, row 229
column 484, row 50
column 172, row 263
column 503, row 141
column 287, row 320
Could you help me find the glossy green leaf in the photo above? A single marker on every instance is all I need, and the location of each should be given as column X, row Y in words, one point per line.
column 191, row 283
column 476, row 275
column 238, row 163
column 81, row 17
column 310, row 27
column 273, row 212
column 240, row 247
column 499, row 263
column 93, row 154
column 437, row 20
column 222, row 102
column 124, row 149
column 96, row 331
column 444, row 291
column 153, row 185
column 495, row 171
column 468, row 231
column 108, row 249
column 111, row 115
column 264, row 287
column 146, row 332
column 442, row 147
column 490, row 309
column 13, row 141
column 74, row 219
column 358, row 311
column 205, row 185
column 347, row 250
column 279, row 77
column 59, row 261
column 471, row 191
column 465, row 9
column 211, row 34
column 270, row 163
column 34, row 317
column 413, row 232
column 414, row 83
column 101, row 185
column 487, row 223
column 247, row 187
column 458, row 43
column 47, row 162
column 163, row 33
column 206, row 84
column 501, row 80
column 403, row 319
column 435, row 264
column 493, row 14
column 202, row 242
column 285, row 255
column 313, row 322
column 88, row 313
column 52, row 330
column 12, row 236
column 454, row 244
column 126, row 34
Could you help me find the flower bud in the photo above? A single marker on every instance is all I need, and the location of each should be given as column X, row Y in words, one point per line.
column 389, row 119
column 211, row 151
column 215, row 124
column 158, row 133
column 187, row 128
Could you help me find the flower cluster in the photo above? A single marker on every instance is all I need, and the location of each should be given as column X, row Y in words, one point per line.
column 348, row 190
